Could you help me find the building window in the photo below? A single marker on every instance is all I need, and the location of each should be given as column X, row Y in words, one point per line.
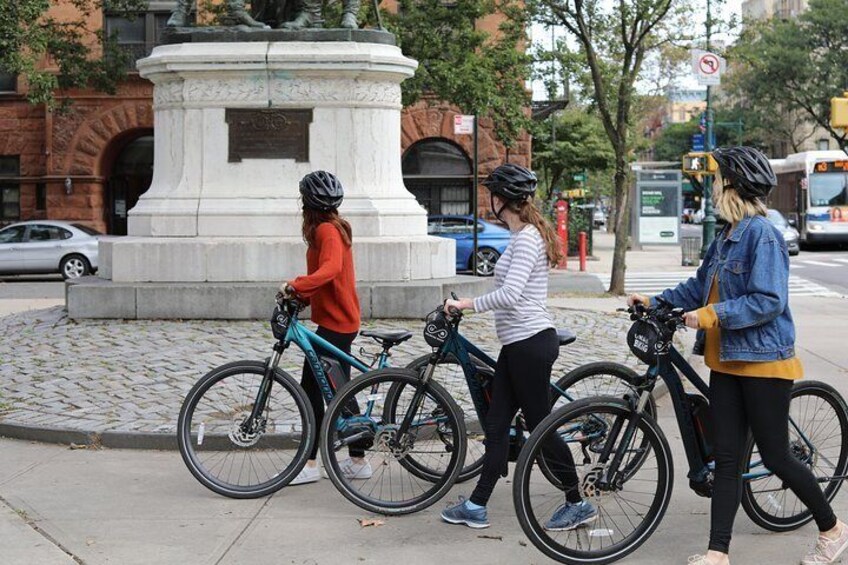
column 438, row 173
column 823, row 144
column 41, row 197
column 138, row 35
column 10, row 189
column 8, row 83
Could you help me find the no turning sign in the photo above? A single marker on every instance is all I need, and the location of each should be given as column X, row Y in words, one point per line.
column 707, row 67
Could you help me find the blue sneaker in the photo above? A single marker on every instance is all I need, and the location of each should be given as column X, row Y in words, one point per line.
column 571, row 515
column 461, row 514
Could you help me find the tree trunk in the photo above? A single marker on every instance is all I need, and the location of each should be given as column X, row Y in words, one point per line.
column 622, row 226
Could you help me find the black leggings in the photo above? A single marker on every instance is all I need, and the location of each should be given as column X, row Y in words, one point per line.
column 763, row 404
column 522, row 380
column 313, row 391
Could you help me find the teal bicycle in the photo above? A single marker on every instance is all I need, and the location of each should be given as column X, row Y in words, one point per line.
column 246, row 428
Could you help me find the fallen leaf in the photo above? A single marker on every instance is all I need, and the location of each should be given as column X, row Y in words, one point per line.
column 522, row 543
column 365, row 522
column 89, row 542
column 499, row 538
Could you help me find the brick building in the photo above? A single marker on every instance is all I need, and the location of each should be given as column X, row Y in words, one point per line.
column 91, row 163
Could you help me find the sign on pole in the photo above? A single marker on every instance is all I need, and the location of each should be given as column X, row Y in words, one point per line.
column 707, row 67
column 463, row 125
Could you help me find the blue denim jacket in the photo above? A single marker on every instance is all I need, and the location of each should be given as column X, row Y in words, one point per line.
column 752, row 266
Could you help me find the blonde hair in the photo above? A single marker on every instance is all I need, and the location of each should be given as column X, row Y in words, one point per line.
column 529, row 213
column 731, row 205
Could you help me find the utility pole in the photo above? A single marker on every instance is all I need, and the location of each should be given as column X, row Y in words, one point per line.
column 709, row 215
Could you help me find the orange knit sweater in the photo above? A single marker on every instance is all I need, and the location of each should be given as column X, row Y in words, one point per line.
column 330, row 283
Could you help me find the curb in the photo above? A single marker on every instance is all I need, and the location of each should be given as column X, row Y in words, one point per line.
column 110, row 439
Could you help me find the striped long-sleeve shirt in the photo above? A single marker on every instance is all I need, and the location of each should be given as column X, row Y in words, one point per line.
column 521, row 280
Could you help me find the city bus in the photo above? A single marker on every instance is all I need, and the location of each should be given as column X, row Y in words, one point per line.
column 812, row 192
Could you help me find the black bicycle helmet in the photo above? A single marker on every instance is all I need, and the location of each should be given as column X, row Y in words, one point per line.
column 748, row 171
column 321, row 190
column 512, row 182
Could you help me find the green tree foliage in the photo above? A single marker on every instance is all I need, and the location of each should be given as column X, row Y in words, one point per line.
column 480, row 73
column 676, row 139
column 787, row 68
column 614, row 40
column 579, row 144
column 31, row 36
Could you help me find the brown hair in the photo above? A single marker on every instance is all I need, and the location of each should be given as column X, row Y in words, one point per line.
column 313, row 218
column 529, row 213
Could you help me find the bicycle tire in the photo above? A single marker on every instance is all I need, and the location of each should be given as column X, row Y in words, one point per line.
column 474, row 444
column 570, row 382
column 756, row 507
column 452, row 442
column 187, row 440
column 523, row 500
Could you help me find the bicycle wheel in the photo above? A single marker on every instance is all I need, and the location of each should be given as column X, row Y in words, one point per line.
column 598, row 379
column 450, row 375
column 628, row 513
column 218, row 452
column 601, row 378
column 410, row 469
column 820, row 441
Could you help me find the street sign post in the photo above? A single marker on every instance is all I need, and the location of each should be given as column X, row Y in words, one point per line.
column 707, row 67
column 467, row 125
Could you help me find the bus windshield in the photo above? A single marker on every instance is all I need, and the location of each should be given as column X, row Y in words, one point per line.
column 829, row 189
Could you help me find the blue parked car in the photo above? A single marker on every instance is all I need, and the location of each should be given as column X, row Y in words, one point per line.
column 491, row 241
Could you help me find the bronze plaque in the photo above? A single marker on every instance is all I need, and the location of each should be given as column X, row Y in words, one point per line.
column 268, row 134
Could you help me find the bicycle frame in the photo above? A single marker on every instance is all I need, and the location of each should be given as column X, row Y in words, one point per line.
column 310, row 343
column 667, row 368
column 463, row 350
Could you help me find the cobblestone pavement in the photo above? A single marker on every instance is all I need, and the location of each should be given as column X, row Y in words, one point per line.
column 131, row 376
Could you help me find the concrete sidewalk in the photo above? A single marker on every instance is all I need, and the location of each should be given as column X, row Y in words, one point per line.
column 573, row 282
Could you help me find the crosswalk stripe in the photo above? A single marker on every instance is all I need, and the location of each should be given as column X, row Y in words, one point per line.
column 820, row 263
column 796, row 266
column 654, row 283
column 841, row 260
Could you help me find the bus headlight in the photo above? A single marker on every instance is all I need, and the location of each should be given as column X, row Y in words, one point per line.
column 815, row 227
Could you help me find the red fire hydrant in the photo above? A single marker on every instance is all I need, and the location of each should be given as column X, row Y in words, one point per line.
column 562, row 230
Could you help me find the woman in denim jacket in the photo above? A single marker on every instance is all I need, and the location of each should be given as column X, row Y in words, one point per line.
column 738, row 302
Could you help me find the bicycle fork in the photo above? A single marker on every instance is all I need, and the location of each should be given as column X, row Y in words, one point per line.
column 252, row 423
column 613, row 478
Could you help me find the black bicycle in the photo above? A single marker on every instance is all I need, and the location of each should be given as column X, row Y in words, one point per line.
column 466, row 372
column 624, row 464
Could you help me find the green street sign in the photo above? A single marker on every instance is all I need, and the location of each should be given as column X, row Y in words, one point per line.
column 580, row 177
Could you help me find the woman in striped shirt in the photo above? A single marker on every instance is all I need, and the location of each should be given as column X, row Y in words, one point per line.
column 527, row 333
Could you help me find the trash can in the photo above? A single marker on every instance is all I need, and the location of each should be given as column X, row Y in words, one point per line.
column 691, row 251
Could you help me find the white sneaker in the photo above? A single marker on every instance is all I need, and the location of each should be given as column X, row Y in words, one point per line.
column 352, row 470
column 307, row 475
column 828, row 550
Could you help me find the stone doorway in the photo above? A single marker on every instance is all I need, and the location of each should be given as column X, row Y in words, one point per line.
column 131, row 175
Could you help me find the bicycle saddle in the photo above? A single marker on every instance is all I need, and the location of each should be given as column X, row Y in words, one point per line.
column 387, row 337
column 566, row 336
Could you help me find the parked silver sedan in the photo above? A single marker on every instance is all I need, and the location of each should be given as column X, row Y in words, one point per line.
column 45, row 246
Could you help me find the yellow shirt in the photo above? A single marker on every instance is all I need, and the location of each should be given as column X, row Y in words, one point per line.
column 784, row 369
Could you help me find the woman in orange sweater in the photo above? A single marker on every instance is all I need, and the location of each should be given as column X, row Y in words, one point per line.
column 330, row 288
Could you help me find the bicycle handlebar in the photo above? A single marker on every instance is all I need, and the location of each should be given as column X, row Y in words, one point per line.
column 665, row 313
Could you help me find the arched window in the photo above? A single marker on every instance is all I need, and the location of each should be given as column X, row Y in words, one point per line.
column 438, row 173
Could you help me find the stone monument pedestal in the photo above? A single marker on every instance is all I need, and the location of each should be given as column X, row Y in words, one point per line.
column 238, row 122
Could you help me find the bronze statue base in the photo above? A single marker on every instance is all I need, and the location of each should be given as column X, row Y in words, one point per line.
column 243, row 33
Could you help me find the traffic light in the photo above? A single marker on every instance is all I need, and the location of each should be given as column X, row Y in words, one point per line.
column 699, row 163
column 839, row 111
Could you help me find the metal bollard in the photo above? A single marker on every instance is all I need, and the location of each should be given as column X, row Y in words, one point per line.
column 562, row 230
column 581, row 249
